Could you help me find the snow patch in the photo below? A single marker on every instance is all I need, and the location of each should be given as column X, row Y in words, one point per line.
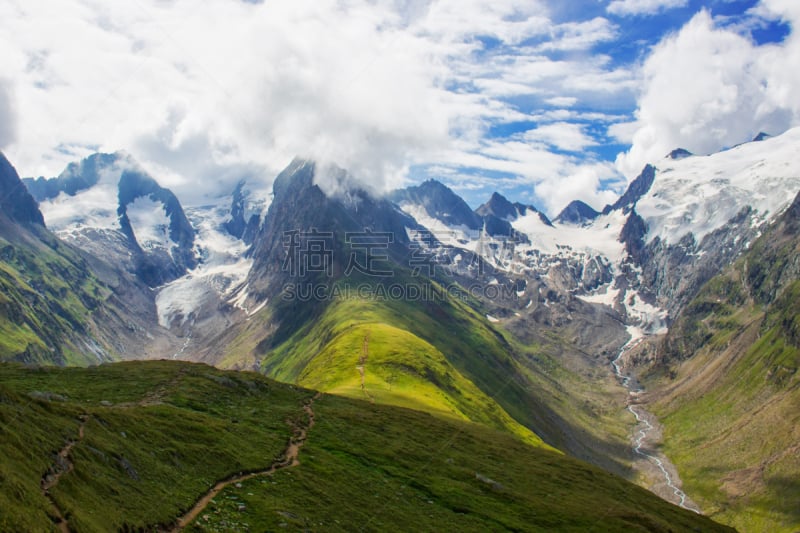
column 606, row 295
column 220, row 275
column 599, row 238
column 651, row 318
column 150, row 224
column 460, row 236
column 700, row 194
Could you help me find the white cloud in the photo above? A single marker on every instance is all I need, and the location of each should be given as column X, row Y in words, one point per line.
column 212, row 90
column 586, row 183
column 643, row 7
column 580, row 35
column 205, row 93
column 510, row 21
column 7, row 117
column 707, row 88
column 562, row 135
column 556, row 179
column 786, row 10
column 561, row 101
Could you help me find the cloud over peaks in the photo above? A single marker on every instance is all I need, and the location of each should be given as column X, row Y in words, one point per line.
column 709, row 87
column 7, row 116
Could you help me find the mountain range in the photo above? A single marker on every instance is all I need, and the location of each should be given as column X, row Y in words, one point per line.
column 496, row 317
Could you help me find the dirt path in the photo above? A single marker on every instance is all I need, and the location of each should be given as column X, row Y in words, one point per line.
column 287, row 459
column 362, row 367
column 155, row 396
column 62, row 465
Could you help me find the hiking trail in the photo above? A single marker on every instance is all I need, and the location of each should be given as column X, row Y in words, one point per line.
column 62, row 465
column 287, row 459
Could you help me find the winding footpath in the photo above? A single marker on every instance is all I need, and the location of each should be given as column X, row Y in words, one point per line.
column 362, row 367
column 287, row 459
column 62, row 465
column 645, row 428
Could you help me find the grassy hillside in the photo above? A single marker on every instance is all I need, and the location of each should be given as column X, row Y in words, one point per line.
column 444, row 357
column 141, row 442
column 61, row 306
column 729, row 389
column 47, row 295
column 401, row 352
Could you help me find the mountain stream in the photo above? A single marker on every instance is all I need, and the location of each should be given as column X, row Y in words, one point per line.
column 653, row 464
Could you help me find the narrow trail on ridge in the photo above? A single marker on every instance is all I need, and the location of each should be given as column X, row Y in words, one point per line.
column 155, row 396
column 287, row 459
column 648, row 434
column 362, row 367
column 62, row 465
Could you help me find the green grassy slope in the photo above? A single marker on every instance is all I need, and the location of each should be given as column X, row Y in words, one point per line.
column 47, row 296
column 157, row 435
column 436, row 355
column 405, row 360
column 441, row 356
column 729, row 390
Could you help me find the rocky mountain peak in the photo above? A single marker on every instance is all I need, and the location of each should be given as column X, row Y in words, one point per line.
column 577, row 213
column 498, row 206
column 300, row 211
column 638, row 188
column 296, row 177
column 439, row 202
column 679, row 153
column 78, row 176
column 15, row 200
column 243, row 223
column 155, row 265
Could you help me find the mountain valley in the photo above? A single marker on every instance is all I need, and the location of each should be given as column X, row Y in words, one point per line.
column 463, row 356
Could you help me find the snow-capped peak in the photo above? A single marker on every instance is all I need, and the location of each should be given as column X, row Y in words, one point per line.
column 702, row 193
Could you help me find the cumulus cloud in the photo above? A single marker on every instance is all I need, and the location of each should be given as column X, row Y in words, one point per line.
column 597, row 185
column 205, row 94
column 7, row 118
column 643, row 7
column 556, row 178
column 565, row 136
column 708, row 87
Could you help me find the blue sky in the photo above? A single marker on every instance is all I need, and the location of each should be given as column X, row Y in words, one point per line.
column 545, row 101
column 634, row 37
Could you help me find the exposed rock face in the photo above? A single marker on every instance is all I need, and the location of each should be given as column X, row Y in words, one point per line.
column 156, row 265
column 78, row 176
column 72, row 307
column 673, row 273
column 440, row 203
column 498, row 206
column 242, row 225
column 578, row 213
column 300, row 209
column 638, row 188
column 137, row 225
column 679, row 153
column 15, row 200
